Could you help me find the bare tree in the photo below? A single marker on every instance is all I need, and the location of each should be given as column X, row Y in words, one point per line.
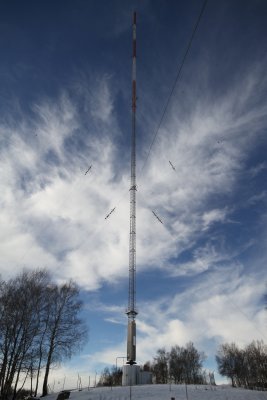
column 39, row 326
column 226, row 361
column 186, row 364
column 110, row 377
column 176, row 365
column 256, row 356
column 20, row 305
column 66, row 332
column 245, row 367
column 193, row 361
column 160, row 366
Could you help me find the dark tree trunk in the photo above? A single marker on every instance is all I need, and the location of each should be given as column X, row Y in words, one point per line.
column 47, row 370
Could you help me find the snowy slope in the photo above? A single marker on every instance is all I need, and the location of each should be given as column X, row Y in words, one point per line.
column 165, row 392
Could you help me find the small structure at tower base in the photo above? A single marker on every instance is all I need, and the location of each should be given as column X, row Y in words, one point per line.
column 131, row 376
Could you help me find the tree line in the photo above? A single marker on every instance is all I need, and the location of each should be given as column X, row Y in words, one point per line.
column 179, row 365
column 244, row 367
column 39, row 327
column 110, row 377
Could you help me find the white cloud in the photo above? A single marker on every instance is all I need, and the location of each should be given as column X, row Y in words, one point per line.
column 262, row 196
column 55, row 122
column 257, row 169
column 219, row 307
column 213, row 216
column 64, row 210
column 101, row 105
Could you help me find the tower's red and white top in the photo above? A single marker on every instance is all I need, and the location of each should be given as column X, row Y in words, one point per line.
column 134, row 64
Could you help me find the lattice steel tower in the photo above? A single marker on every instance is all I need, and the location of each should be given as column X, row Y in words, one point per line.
column 131, row 310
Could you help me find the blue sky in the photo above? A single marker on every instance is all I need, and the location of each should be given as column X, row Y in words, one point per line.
column 65, row 104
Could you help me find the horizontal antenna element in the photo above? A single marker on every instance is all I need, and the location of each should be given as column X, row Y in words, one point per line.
column 172, row 166
column 157, row 217
column 110, row 213
column 88, row 170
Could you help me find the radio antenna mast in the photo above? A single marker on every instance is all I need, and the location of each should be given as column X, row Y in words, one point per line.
column 131, row 310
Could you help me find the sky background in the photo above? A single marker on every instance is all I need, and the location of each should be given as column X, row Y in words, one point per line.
column 65, row 105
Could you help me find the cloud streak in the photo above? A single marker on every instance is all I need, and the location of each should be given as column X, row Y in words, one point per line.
column 64, row 210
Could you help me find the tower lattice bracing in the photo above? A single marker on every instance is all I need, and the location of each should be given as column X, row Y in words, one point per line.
column 131, row 310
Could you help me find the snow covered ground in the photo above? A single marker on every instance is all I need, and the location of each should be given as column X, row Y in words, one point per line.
column 165, row 392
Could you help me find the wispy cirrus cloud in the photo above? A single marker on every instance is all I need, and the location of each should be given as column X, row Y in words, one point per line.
column 64, row 210
column 218, row 307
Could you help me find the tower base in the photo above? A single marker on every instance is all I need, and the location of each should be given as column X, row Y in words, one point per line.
column 131, row 375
